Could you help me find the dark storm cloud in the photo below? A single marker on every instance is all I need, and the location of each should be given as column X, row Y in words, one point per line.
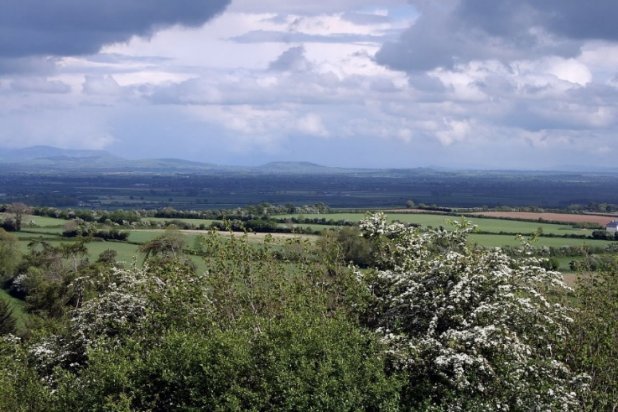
column 575, row 19
column 74, row 27
column 450, row 32
column 27, row 65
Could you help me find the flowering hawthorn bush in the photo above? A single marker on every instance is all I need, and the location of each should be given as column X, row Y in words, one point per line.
column 472, row 328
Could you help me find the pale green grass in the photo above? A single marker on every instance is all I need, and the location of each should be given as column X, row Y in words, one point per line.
column 42, row 221
column 18, row 307
column 126, row 252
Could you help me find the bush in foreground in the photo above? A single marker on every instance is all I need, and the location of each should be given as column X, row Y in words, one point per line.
column 471, row 328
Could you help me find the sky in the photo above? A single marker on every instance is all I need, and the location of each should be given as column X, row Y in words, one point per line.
column 483, row 84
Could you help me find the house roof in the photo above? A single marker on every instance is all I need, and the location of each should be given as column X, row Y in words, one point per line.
column 613, row 223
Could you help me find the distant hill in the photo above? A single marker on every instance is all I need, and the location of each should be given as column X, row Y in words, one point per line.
column 300, row 168
column 52, row 159
column 48, row 159
column 37, row 153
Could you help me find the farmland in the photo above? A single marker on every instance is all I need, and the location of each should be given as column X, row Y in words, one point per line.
column 256, row 268
column 551, row 217
column 489, row 232
column 437, row 220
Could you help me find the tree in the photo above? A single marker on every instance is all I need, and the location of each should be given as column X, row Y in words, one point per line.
column 472, row 328
column 18, row 210
column 170, row 245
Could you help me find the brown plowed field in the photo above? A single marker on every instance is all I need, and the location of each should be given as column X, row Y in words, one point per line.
column 553, row 217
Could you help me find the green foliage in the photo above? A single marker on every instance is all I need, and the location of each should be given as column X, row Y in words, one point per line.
column 21, row 388
column 248, row 334
column 593, row 347
column 17, row 210
column 294, row 363
column 167, row 246
column 9, row 254
column 473, row 329
column 352, row 246
column 77, row 228
column 7, row 321
column 48, row 277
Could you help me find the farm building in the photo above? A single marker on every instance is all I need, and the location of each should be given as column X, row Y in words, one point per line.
column 612, row 226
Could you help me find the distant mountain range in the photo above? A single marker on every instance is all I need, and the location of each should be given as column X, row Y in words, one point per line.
column 53, row 159
column 50, row 160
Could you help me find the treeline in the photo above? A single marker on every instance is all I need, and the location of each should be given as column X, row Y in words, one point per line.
column 250, row 211
column 597, row 234
column 315, row 221
column 575, row 225
column 78, row 228
column 127, row 217
column 563, row 251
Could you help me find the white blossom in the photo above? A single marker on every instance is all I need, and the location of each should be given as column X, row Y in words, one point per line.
column 475, row 319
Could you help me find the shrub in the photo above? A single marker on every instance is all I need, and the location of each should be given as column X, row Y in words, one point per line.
column 472, row 328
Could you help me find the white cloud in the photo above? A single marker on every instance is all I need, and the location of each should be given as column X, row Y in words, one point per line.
column 101, row 85
column 311, row 124
column 452, row 131
column 570, row 70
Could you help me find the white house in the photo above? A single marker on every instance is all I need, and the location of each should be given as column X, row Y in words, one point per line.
column 612, row 226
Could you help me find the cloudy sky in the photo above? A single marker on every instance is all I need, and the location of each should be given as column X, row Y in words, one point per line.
column 377, row 83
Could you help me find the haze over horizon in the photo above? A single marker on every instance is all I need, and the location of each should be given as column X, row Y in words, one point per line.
column 350, row 83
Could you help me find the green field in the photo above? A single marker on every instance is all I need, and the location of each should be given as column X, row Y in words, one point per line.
column 50, row 229
column 42, row 221
column 143, row 236
column 126, row 251
column 434, row 220
column 196, row 222
column 45, row 230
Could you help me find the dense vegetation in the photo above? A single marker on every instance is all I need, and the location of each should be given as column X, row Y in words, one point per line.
column 430, row 322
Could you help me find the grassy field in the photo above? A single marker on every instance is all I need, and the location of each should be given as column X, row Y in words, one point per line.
column 42, row 221
column 45, row 230
column 143, row 236
column 126, row 251
column 196, row 222
column 433, row 220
